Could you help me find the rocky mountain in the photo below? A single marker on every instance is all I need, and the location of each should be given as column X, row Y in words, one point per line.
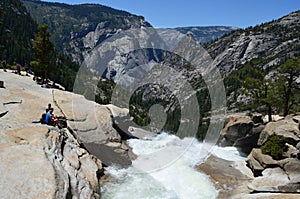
column 264, row 47
column 125, row 49
column 267, row 45
column 77, row 29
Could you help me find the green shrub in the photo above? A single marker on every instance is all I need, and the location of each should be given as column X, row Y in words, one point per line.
column 275, row 146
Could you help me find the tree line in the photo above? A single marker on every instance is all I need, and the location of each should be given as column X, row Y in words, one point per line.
column 268, row 90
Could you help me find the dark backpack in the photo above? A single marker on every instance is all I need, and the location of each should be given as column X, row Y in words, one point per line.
column 62, row 123
column 43, row 119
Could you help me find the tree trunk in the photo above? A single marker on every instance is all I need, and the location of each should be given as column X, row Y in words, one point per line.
column 270, row 113
column 287, row 97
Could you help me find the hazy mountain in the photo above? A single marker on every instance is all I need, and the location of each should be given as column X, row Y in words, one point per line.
column 202, row 34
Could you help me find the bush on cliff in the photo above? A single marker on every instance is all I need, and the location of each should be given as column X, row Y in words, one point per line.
column 275, row 146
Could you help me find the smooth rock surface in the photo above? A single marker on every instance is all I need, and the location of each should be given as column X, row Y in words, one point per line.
column 228, row 178
column 286, row 128
column 269, row 182
column 40, row 161
column 24, row 167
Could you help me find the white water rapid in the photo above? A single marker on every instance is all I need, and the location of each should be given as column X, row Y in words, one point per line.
column 164, row 169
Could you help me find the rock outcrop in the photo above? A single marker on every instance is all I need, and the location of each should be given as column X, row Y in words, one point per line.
column 280, row 175
column 273, row 178
column 241, row 132
column 227, row 176
column 258, row 161
column 40, row 161
column 286, row 128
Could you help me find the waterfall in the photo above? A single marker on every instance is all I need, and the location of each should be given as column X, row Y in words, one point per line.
column 164, row 169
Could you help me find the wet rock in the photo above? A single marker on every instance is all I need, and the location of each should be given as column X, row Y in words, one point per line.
column 247, row 143
column 108, row 155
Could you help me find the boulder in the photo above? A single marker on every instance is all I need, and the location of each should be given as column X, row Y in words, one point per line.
column 116, row 111
column 264, row 160
column 255, row 166
column 238, row 132
column 278, row 180
column 286, row 128
column 298, row 146
column 247, row 143
column 258, row 129
column 272, row 180
column 237, row 127
column 230, row 178
column 292, row 167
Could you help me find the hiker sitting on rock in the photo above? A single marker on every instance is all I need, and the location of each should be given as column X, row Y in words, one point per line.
column 50, row 118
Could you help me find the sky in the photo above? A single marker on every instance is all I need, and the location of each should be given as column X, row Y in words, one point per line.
column 179, row 13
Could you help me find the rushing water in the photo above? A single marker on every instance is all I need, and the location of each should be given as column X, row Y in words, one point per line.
column 164, row 169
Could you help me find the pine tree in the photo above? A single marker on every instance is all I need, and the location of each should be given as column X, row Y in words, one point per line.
column 278, row 91
column 261, row 90
column 43, row 51
column 287, row 85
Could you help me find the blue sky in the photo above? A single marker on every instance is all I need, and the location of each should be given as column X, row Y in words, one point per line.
column 177, row 13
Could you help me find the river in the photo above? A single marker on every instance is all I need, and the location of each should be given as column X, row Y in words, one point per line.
column 164, row 169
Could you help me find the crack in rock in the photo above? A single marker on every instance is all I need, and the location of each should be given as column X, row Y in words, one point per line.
column 13, row 102
column 3, row 114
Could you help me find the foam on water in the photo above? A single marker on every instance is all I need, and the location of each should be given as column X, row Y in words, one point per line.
column 228, row 153
column 165, row 169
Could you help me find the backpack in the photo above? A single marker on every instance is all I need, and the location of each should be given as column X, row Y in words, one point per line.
column 43, row 119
